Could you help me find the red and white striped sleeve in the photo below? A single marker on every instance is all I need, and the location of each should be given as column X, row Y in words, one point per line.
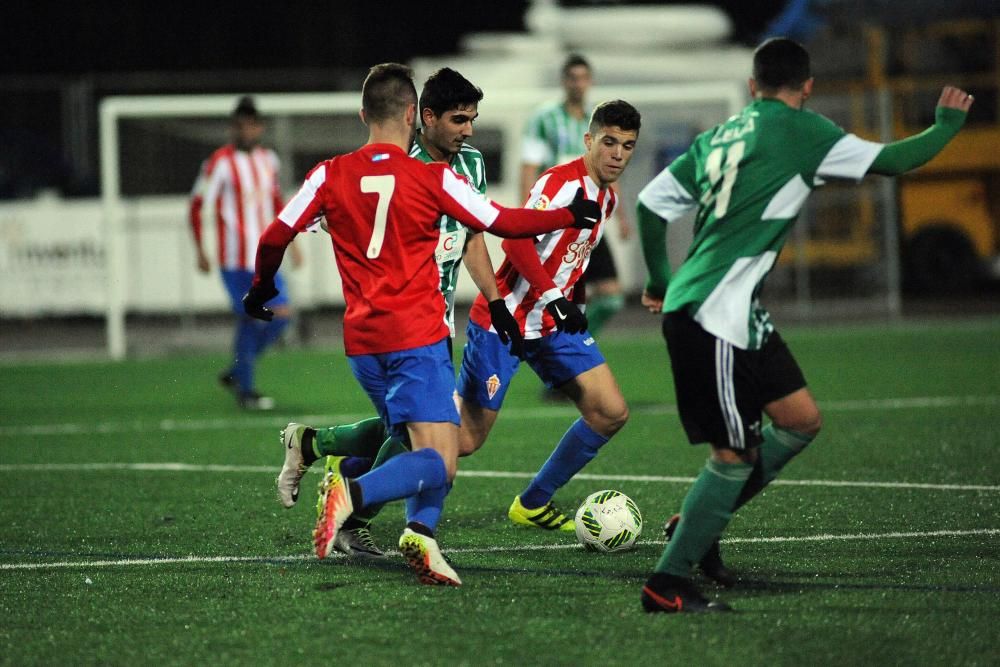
column 206, row 189
column 276, row 196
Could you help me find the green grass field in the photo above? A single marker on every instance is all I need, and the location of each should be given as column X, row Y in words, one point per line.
column 138, row 521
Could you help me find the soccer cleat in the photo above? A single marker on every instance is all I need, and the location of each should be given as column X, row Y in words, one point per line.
column 252, row 400
column 294, row 467
column 426, row 559
column 357, row 543
column 331, row 465
column 546, row 517
column 335, row 508
column 669, row 594
column 711, row 564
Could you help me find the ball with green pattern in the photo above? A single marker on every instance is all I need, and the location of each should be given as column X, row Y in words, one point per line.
column 608, row 521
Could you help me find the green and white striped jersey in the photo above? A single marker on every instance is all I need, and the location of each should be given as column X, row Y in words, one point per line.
column 451, row 246
column 749, row 178
column 552, row 136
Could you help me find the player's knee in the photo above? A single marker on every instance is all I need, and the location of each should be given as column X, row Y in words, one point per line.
column 807, row 423
column 609, row 419
column 469, row 443
column 722, row 454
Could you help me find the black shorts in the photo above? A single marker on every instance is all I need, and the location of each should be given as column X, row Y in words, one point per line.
column 721, row 390
column 601, row 265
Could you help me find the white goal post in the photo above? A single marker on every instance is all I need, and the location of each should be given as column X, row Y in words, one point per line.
column 664, row 108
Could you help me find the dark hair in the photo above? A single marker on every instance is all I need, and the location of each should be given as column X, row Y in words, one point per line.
column 780, row 63
column 387, row 91
column 245, row 108
column 615, row 113
column 574, row 60
column 446, row 89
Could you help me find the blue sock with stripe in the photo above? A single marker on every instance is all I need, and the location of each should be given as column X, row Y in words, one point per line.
column 577, row 447
column 403, row 476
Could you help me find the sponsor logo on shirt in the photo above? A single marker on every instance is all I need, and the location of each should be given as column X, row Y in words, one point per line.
column 450, row 247
column 577, row 252
column 492, row 385
column 588, row 341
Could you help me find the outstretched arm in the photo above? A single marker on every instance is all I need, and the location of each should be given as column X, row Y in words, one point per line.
column 463, row 202
column 907, row 154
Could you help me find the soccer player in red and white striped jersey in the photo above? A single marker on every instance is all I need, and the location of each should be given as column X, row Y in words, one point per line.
column 538, row 281
column 239, row 185
column 382, row 209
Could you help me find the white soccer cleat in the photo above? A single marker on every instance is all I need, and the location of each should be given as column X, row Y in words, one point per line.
column 294, row 467
column 335, row 507
column 426, row 559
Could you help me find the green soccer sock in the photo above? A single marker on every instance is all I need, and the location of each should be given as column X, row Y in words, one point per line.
column 391, row 447
column 600, row 309
column 705, row 514
column 362, row 439
column 780, row 446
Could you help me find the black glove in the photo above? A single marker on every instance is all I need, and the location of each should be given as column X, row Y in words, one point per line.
column 507, row 327
column 256, row 297
column 586, row 213
column 568, row 317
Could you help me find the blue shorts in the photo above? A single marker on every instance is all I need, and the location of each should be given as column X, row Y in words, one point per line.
column 237, row 283
column 415, row 385
column 488, row 367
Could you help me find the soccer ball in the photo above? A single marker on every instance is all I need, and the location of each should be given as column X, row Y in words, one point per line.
column 608, row 521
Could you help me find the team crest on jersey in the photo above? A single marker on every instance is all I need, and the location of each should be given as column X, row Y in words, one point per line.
column 492, row 385
column 542, row 203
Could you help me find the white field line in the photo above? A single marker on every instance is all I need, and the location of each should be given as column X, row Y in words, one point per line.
column 541, row 412
column 490, row 474
column 497, row 549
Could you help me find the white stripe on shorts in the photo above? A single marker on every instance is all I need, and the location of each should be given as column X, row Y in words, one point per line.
column 727, row 393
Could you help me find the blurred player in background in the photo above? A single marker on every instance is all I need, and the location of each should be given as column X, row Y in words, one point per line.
column 748, row 178
column 554, row 135
column 449, row 105
column 538, row 280
column 239, row 185
column 382, row 209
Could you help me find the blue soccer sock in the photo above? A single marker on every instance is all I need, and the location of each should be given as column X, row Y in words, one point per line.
column 403, row 476
column 245, row 345
column 269, row 332
column 578, row 446
column 425, row 507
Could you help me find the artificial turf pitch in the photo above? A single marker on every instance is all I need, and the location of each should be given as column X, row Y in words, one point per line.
column 138, row 521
